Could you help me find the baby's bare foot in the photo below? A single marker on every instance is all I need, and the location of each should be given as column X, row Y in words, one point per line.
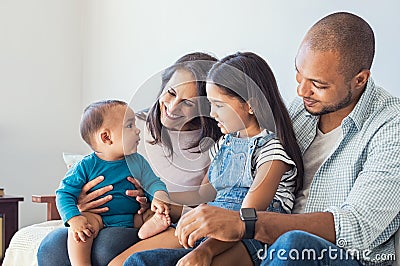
column 156, row 224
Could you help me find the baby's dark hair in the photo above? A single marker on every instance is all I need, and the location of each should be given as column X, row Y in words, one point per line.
column 93, row 116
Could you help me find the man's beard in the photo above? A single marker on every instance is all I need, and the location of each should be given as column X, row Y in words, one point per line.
column 333, row 108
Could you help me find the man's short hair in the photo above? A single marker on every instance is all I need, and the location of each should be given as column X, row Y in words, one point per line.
column 348, row 35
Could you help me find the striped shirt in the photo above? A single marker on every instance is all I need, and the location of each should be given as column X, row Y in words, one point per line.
column 271, row 150
column 359, row 182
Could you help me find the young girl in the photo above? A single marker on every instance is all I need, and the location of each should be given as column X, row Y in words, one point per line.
column 256, row 164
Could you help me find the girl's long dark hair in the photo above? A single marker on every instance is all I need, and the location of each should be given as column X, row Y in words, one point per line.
column 198, row 64
column 248, row 77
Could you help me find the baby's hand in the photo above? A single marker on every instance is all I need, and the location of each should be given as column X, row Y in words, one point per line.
column 159, row 203
column 81, row 228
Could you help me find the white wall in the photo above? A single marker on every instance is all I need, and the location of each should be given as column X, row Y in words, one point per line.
column 58, row 56
column 129, row 41
column 40, row 84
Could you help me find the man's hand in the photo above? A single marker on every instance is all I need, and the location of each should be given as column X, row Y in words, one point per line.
column 209, row 221
column 86, row 201
column 139, row 194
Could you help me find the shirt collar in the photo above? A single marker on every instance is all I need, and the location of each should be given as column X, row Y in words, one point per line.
column 361, row 111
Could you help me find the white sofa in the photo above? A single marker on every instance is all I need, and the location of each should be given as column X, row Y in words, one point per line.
column 25, row 243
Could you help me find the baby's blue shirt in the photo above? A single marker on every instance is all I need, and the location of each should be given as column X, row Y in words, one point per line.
column 121, row 207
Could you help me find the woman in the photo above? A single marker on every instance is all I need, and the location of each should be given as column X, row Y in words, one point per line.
column 177, row 124
column 252, row 167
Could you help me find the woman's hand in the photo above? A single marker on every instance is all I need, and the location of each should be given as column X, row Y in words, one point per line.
column 86, row 201
column 90, row 202
column 209, row 221
column 139, row 194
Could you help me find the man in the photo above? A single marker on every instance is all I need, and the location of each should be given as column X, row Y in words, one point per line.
column 348, row 130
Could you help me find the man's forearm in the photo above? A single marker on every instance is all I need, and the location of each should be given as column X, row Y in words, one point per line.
column 226, row 225
column 270, row 225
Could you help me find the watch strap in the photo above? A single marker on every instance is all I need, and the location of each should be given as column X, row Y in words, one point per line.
column 249, row 229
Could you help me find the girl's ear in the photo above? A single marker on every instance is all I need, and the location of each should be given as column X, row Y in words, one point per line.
column 252, row 104
column 105, row 136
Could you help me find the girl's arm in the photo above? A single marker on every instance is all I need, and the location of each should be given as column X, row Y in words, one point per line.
column 265, row 185
column 260, row 195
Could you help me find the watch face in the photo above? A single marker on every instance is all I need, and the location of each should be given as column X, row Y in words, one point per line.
column 248, row 214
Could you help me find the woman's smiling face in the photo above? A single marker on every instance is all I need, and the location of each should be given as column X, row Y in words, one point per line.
column 178, row 102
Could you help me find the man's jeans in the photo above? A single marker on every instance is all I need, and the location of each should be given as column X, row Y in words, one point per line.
column 301, row 248
column 292, row 248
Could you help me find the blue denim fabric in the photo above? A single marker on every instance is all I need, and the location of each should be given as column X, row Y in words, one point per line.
column 230, row 170
column 254, row 246
column 231, row 176
column 293, row 240
column 110, row 242
column 305, row 249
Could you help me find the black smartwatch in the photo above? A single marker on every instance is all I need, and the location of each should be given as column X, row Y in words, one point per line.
column 249, row 217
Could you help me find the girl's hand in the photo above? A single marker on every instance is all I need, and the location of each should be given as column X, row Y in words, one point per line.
column 159, row 207
column 159, row 203
column 197, row 257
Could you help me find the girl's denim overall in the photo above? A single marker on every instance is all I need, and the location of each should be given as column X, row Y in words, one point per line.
column 231, row 176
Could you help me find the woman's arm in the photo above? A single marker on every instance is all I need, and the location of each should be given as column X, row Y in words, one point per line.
column 205, row 193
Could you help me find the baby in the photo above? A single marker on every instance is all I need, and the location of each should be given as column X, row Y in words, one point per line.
column 109, row 129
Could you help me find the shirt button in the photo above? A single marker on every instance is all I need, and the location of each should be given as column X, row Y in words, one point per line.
column 276, row 205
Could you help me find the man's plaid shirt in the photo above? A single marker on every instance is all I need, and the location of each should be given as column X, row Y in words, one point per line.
column 359, row 182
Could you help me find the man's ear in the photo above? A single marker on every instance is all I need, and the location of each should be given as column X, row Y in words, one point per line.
column 105, row 136
column 361, row 79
